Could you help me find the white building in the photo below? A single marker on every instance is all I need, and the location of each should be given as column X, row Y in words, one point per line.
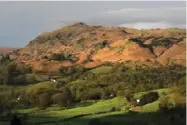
column 137, row 100
column 53, row 80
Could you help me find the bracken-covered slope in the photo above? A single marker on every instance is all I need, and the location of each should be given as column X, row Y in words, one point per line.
column 94, row 45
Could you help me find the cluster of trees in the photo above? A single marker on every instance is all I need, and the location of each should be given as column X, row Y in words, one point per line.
column 148, row 98
column 4, row 58
column 122, row 79
column 144, row 99
column 10, row 73
column 80, row 84
column 41, row 98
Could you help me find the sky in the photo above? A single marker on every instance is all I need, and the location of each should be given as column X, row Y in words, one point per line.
column 21, row 22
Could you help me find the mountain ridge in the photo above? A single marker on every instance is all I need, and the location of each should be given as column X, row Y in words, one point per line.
column 90, row 46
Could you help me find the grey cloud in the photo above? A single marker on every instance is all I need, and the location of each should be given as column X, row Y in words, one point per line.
column 134, row 15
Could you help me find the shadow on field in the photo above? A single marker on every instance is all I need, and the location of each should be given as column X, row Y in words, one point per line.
column 172, row 117
column 133, row 118
column 82, row 104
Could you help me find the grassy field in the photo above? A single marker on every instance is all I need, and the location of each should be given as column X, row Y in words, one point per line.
column 82, row 114
column 60, row 113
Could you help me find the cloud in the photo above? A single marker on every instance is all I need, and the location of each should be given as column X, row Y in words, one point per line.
column 155, row 17
column 151, row 25
column 157, row 9
column 124, row 10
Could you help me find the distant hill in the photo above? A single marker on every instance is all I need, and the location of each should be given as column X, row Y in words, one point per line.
column 6, row 49
column 91, row 46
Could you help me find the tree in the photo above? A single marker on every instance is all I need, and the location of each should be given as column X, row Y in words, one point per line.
column 31, row 79
column 148, row 98
column 92, row 94
column 21, row 79
column 24, row 69
column 33, row 99
column 5, row 59
column 60, row 99
column 11, row 67
column 129, row 95
column 44, row 100
column 6, row 101
column 121, row 93
column 4, row 76
column 64, row 98
column 105, row 94
column 180, row 86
